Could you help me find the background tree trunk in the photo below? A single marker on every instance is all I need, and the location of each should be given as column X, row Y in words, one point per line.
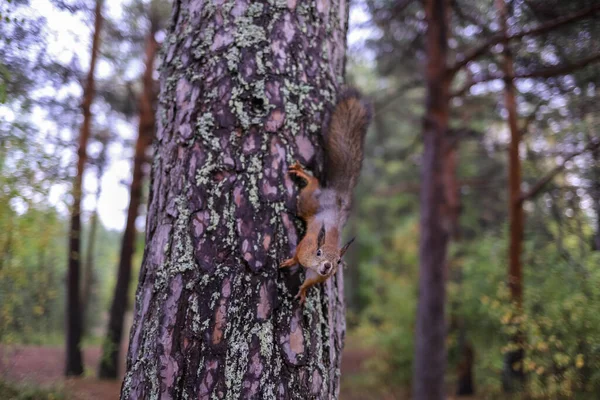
column 88, row 273
column 513, row 374
column 436, row 217
column 245, row 90
column 74, row 364
column 109, row 362
column 595, row 193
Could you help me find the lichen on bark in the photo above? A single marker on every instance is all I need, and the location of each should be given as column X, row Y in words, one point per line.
column 246, row 89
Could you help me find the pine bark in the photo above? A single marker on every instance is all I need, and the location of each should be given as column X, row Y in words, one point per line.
column 513, row 374
column 436, row 215
column 74, row 364
column 246, row 88
column 111, row 348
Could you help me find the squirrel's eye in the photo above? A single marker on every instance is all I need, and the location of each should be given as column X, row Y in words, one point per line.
column 319, row 253
column 339, row 260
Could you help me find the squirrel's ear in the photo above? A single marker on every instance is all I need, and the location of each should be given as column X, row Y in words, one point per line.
column 343, row 250
column 321, row 237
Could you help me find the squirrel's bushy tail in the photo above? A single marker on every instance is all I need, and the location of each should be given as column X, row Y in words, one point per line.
column 345, row 140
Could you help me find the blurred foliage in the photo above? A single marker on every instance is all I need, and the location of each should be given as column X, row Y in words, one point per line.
column 39, row 124
column 562, row 287
column 21, row 392
column 32, row 274
column 559, row 115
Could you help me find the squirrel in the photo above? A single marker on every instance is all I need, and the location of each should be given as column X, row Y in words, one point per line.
column 325, row 209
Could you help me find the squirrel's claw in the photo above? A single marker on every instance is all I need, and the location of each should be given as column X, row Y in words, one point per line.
column 302, row 296
column 298, row 171
column 287, row 263
column 296, row 167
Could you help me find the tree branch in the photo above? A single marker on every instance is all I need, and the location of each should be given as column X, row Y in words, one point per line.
column 530, row 118
column 558, row 70
column 543, row 28
column 400, row 6
column 539, row 185
column 389, row 96
column 415, row 187
column 544, row 73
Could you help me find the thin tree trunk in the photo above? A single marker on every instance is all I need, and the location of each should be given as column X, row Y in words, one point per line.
column 430, row 351
column 109, row 361
column 513, row 374
column 88, row 275
column 88, row 271
column 74, row 364
column 465, row 383
column 595, row 192
column 244, row 93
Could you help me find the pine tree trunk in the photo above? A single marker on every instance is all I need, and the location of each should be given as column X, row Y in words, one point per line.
column 86, row 286
column 513, row 375
column 595, row 194
column 436, row 217
column 245, row 91
column 74, row 365
column 465, row 383
column 111, row 347
column 88, row 273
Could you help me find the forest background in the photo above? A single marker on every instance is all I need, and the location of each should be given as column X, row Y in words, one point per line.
column 520, row 168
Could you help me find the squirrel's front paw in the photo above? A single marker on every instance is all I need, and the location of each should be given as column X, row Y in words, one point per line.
column 302, row 296
column 298, row 170
column 287, row 263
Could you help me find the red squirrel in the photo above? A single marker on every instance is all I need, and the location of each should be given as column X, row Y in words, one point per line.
column 325, row 209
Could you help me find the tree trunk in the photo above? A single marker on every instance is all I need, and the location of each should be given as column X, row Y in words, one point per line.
column 245, row 91
column 465, row 384
column 111, row 347
column 88, row 275
column 513, row 374
column 436, row 220
column 88, row 271
column 74, row 364
column 595, row 194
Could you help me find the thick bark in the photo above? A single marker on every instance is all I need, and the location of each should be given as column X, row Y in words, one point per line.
column 74, row 364
column 436, row 220
column 513, row 373
column 245, row 90
column 109, row 361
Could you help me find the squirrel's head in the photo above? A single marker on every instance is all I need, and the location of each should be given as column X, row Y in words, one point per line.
column 327, row 255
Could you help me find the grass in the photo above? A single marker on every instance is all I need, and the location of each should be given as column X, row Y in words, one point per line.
column 53, row 339
column 9, row 391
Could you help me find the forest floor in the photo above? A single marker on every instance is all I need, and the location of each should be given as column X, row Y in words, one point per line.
column 42, row 366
